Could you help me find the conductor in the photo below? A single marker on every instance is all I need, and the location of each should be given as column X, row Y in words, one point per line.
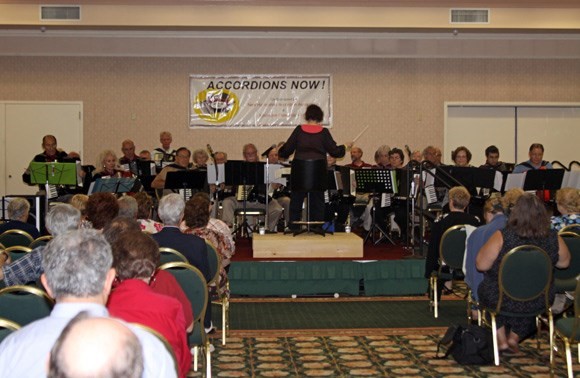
column 310, row 141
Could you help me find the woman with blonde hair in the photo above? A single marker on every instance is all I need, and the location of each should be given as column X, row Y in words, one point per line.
column 106, row 165
column 568, row 201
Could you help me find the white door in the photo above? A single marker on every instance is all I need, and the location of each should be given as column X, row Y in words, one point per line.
column 25, row 123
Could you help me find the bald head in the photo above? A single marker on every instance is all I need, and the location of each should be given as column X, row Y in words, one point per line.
column 96, row 347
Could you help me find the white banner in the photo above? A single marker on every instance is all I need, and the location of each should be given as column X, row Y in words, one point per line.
column 257, row 101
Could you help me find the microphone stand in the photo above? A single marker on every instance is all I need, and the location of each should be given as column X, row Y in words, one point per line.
column 267, row 191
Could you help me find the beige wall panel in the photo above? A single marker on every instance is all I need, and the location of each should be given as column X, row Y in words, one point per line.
column 401, row 99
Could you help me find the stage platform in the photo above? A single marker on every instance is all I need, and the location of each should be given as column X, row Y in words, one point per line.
column 331, row 246
column 385, row 269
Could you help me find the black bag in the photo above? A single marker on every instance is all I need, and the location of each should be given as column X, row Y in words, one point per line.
column 471, row 345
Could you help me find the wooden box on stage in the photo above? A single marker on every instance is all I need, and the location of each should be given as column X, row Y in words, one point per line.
column 339, row 245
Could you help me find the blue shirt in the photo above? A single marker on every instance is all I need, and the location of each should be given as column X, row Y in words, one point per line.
column 24, row 353
column 26, row 269
column 476, row 240
column 520, row 168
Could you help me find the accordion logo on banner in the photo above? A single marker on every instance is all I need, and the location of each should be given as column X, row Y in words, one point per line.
column 257, row 101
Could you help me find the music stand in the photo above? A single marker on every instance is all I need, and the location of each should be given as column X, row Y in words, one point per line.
column 52, row 173
column 186, row 179
column 113, row 185
column 543, row 179
column 239, row 172
column 306, row 177
column 376, row 181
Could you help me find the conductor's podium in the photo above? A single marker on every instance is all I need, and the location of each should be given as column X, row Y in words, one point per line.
column 308, row 245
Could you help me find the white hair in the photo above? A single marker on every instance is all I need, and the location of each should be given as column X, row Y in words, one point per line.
column 171, row 209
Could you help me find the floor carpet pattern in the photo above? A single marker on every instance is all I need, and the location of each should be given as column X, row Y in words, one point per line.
column 381, row 353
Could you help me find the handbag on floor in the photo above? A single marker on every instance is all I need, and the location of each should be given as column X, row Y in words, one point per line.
column 471, row 345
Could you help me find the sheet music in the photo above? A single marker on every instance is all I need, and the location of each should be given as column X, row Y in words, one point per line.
column 428, row 179
column 275, row 172
column 185, row 193
column 352, row 183
column 498, row 180
column 571, row 179
column 211, row 178
column 515, row 180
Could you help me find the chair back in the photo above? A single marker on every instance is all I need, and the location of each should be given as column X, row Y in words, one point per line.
column 168, row 255
column 215, row 261
column 17, row 251
column 6, row 328
column 41, row 240
column 525, row 273
column 565, row 279
column 574, row 228
column 308, row 175
column 24, row 304
column 195, row 288
column 12, row 238
column 163, row 340
column 452, row 247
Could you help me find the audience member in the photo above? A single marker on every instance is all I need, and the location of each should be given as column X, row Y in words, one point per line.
column 458, row 201
column 61, row 218
column 145, row 213
column 495, row 211
column 87, row 254
column 101, row 209
column 568, row 202
column 196, row 219
column 135, row 259
column 18, row 209
column 96, row 347
column 528, row 224
column 127, row 207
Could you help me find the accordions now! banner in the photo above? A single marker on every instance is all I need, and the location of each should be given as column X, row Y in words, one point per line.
column 257, row 101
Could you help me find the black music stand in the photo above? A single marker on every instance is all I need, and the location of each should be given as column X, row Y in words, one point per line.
column 375, row 181
column 185, row 179
column 308, row 176
column 243, row 173
column 544, row 179
column 113, row 185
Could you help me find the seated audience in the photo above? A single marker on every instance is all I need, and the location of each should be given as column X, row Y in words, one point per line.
column 79, row 202
column 528, row 224
column 568, row 202
column 102, row 208
column 162, row 282
column 495, row 212
column 196, row 219
column 96, row 347
column 458, row 201
column 61, row 219
column 135, row 259
column 18, row 209
column 87, row 253
column 127, row 207
column 145, row 213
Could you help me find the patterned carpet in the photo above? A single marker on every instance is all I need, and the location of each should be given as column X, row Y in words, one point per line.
column 361, row 352
column 404, row 353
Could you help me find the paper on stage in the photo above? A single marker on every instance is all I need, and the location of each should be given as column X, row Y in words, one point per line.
column 276, row 171
column 515, row 180
column 571, row 179
column 211, row 174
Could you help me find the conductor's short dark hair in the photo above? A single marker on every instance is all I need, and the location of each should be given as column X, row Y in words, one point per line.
column 314, row 113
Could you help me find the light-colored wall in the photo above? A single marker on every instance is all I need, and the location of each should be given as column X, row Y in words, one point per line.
column 401, row 99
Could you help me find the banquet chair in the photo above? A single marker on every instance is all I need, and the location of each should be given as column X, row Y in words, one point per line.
column 163, row 340
column 565, row 279
column 525, row 273
column 6, row 328
column 17, row 252
column 215, row 261
column 24, row 304
column 170, row 255
column 451, row 255
column 41, row 240
column 195, row 288
column 574, row 228
column 567, row 330
column 12, row 238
